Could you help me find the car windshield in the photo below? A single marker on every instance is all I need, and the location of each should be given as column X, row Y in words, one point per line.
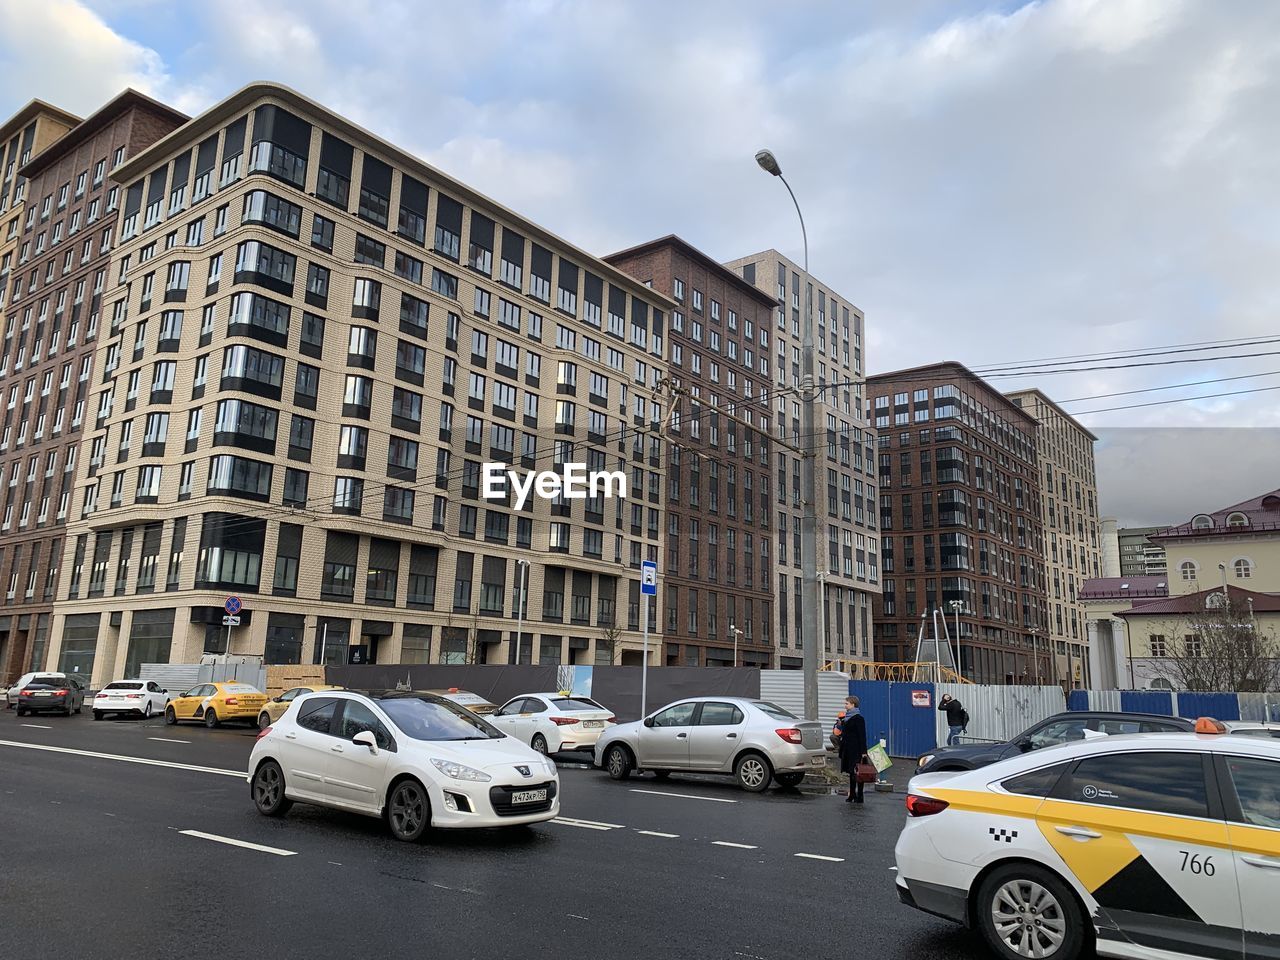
column 570, row 704
column 47, row 682
column 773, row 710
column 238, row 688
column 123, row 686
column 431, row 719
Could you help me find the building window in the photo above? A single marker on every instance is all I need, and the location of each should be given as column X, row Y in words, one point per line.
column 1243, row 569
column 1188, row 570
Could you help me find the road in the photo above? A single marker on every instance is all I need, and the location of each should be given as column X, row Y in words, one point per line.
column 96, row 847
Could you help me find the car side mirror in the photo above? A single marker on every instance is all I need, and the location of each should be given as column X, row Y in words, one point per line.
column 1023, row 743
column 164, row 691
column 648, row 721
column 367, row 739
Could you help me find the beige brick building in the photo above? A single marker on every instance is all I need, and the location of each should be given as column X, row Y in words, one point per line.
column 1072, row 541
column 313, row 342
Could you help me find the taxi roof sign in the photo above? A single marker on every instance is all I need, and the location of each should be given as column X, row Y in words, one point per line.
column 1210, row 725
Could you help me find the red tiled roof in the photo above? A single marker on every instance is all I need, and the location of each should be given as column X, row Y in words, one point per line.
column 1195, row 603
column 1262, row 514
column 1119, row 588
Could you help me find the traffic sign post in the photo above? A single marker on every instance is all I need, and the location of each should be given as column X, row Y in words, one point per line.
column 233, row 606
column 648, row 588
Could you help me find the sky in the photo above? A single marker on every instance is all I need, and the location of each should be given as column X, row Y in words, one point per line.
column 994, row 183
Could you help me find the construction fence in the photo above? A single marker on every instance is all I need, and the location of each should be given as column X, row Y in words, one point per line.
column 1170, row 703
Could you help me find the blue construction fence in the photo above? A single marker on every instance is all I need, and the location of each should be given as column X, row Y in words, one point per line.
column 1170, row 703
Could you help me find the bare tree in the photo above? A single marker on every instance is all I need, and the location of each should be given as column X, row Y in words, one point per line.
column 1220, row 649
column 471, row 635
column 610, row 642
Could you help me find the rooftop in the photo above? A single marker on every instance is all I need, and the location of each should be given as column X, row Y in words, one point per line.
column 693, row 253
column 1190, row 603
column 1016, row 395
column 1261, row 515
column 1123, row 588
column 32, row 110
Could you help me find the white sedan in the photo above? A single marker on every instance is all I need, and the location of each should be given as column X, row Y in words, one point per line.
column 414, row 758
column 1159, row 846
column 143, row 697
column 553, row 722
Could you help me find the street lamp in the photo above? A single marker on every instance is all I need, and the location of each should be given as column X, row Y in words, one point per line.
column 735, row 633
column 956, row 606
column 809, row 518
column 523, row 567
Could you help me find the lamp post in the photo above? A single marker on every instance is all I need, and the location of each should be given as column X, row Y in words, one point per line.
column 956, row 606
column 735, row 633
column 523, row 567
column 809, row 518
column 822, row 619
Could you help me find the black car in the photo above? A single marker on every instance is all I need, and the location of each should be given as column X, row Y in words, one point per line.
column 1060, row 728
column 60, row 694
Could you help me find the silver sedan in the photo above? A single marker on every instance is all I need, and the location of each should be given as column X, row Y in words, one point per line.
column 754, row 741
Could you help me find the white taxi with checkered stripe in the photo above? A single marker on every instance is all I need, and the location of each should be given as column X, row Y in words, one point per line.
column 1151, row 846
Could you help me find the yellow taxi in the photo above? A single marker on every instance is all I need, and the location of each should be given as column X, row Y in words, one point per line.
column 274, row 708
column 1160, row 846
column 213, row 703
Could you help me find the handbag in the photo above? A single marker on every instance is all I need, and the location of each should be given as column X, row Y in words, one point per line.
column 865, row 773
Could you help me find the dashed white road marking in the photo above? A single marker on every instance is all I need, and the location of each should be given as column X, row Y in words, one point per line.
column 231, row 841
column 683, row 796
column 334, row 863
column 655, row 833
column 37, row 726
column 588, row 824
column 167, row 740
column 113, row 756
column 736, row 846
column 574, row 916
column 818, row 856
column 749, row 956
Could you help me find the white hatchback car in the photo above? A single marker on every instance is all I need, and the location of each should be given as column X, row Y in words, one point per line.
column 1156, row 846
column 143, row 697
column 416, row 759
column 553, row 722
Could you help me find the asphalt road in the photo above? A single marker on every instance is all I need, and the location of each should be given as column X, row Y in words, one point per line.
column 94, row 853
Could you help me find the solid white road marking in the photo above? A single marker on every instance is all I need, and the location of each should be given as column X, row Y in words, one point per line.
column 167, row 740
column 37, row 726
column 818, row 856
column 588, row 824
column 112, row 756
column 683, row 796
column 655, row 833
column 736, row 846
column 231, row 841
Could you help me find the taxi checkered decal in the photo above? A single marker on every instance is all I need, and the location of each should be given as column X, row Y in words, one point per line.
column 1000, row 834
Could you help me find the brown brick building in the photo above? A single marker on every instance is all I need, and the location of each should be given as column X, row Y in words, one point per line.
column 960, row 521
column 52, row 312
column 716, row 571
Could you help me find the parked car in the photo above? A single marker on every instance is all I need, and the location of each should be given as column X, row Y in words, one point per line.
column 553, row 722
column 755, row 741
column 11, row 694
column 213, row 703
column 1059, row 728
column 1152, row 846
column 465, row 698
column 47, row 693
column 143, row 697
column 417, row 759
column 1253, row 728
column 274, row 708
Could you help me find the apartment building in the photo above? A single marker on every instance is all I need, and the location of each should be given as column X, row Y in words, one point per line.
column 53, row 304
column 960, row 521
column 314, row 342
column 717, row 576
column 849, row 547
column 1072, row 539
column 1139, row 556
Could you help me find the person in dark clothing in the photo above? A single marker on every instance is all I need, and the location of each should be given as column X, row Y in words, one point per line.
column 853, row 747
column 957, row 718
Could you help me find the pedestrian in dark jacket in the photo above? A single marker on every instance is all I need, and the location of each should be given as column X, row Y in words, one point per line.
column 853, row 747
column 957, row 718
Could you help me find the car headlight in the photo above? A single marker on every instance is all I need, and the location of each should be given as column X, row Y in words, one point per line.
column 458, row 771
column 925, row 760
column 551, row 765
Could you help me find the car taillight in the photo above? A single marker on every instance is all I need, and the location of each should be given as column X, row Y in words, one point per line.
column 133, row 696
column 611, row 720
column 61, row 693
column 563, row 721
column 918, row 806
column 231, row 701
column 790, row 734
column 262, row 733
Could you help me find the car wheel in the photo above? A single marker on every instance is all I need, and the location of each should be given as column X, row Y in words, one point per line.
column 264, row 721
column 79, row 707
column 1025, row 911
column 752, row 772
column 97, row 714
column 790, row 779
column 618, row 762
column 146, row 710
column 170, row 717
column 210, row 718
column 662, row 774
column 22, row 712
column 539, row 743
column 268, row 790
column 408, row 811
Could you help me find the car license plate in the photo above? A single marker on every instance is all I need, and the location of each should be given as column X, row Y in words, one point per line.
column 528, row 796
column 44, row 693
column 593, row 723
column 818, row 761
